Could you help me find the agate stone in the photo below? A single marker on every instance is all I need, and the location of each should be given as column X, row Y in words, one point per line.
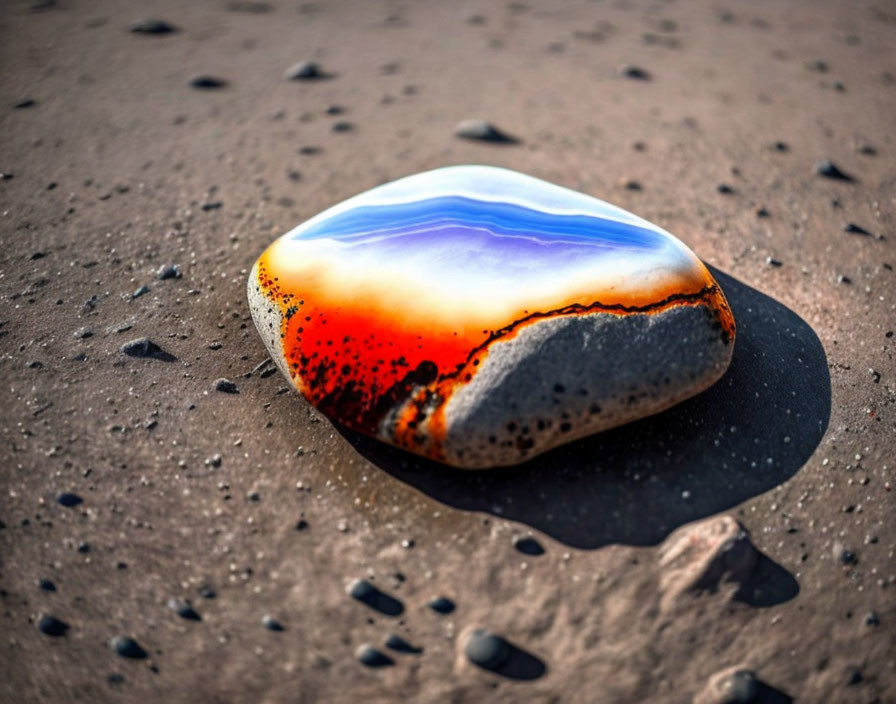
column 478, row 316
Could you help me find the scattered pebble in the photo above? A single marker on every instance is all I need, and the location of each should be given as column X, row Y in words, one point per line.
column 271, row 623
column 482, row 131
column 366, row 593
column 441, row 605
column 302, row 524
column 487, row 650
column 400, row 645
column 26, row 103
column 143, row 290
column 46, row 585
column 206, row 82
column 69, row 500
column 226, row 386
column 725, row 189
column 51, row 626
column 771, row 261
column 762, row 213
column 528, row 546
column 731, row 686
column 184, row 609
column 371, row 657
column 872, row 619
column 127, row 647
column 634, row 72
column 144, row 347
column 830, row 170
column 342, row 126
column 304, row 71
column 855, row 229
column 152, row 26
column 168, row 271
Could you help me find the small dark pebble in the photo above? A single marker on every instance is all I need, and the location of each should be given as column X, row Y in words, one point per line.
column 633, row 186
column 305, row 71
column 819, row 66
column 127, row 647
column 51, row 626
column 144, row 347
column 872, row 619
column 253, row 496
column 486, row 649
column 140, row 292
column 26, row 103
column 69, row 500
column 841, row 279
column 46, row 585
column 226, row 386
column 152, row 26
column 441, row 605
column 724, row 188
column 6, row 176
column 830, row 170
column 400, row 645
column 771, row 261
column 206, row 82
column 868, row 150
column 272, row 624
column 207, row 592
column 335, row 110
column 115, row 678
column 371, row 657
column 184, row 609
column 853, row 675
column 528, row 546
column 762, row 213
column 634, row 72
column 302, row 524
column 855, row 229
column 83, row 547
column 342, row 126
column 848, row 557
column 482, row 131
column 308, row 150
column 215, row 205
column 366, row 593
column 782, row 146
column 168, row 271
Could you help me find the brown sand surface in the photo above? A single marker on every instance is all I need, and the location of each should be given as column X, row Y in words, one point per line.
column 120, row 167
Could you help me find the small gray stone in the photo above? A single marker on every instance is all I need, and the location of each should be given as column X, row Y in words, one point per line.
column 52, row 626
column 487, row 650
column 304, row 71
column 127, row 647
column 482, row 131
column 734, row 685
column 371, row 657
column 226, row 386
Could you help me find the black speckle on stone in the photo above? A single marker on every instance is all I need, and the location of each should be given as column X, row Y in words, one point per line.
column 400, row 645
column 724, row 189
column 152, row 26
column 206, row 82
column 855, row 229
column 634, row 72
column 272, row 624
column 214, row 205
column 441, row 605
column 371, row 657
column 51, row 626
column 486, row 649
column 184, row 609
column 144, row 347
column 762, row 213
column 872, row 619
column 127, row 647
column 69, row 500
column 226, row 386
column 483, row 131
column 782, row 147
column 302, row 524
column 46, row 585
column 26, row 103
column 528, row 546
column 366, row 593
column 305, row 71
column 83, row 547
column 830, row 170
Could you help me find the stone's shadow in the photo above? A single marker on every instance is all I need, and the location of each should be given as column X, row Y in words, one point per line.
column 769, row 584
column 520, row 665
column 765, row 694
column 635, row 484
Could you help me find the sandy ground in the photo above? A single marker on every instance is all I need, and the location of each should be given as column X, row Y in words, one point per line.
column 120, row 167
